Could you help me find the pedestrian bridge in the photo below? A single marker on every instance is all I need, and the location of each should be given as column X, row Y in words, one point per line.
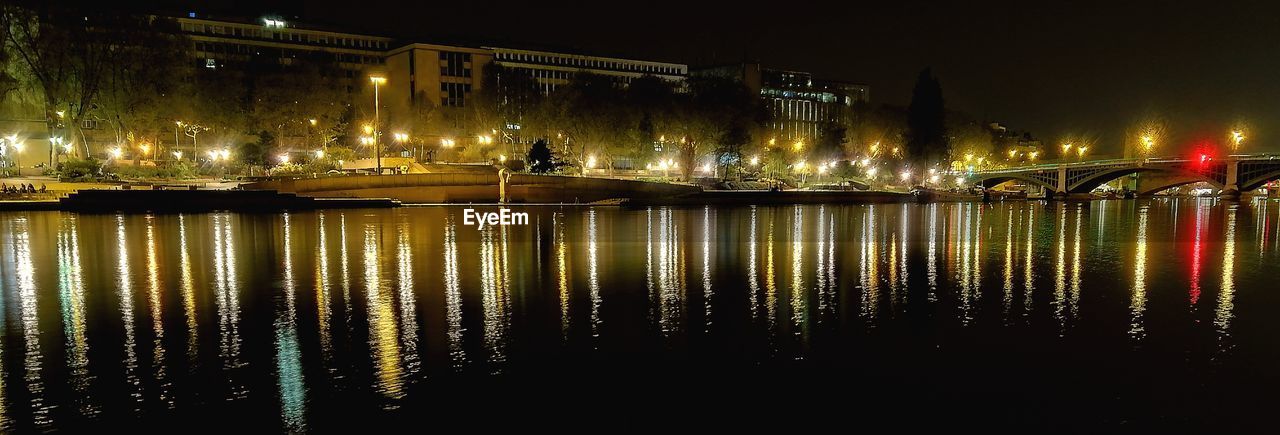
column 1232, row 175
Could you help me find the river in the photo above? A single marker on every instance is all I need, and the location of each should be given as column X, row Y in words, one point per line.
column 1120, row 314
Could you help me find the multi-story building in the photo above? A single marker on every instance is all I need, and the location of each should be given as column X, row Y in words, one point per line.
column 799, row 104
column 219, row 42
column 444, row 75
column 551, row 70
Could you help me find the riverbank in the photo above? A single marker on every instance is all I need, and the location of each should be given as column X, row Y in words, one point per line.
column 137, row 201
column 767, row 197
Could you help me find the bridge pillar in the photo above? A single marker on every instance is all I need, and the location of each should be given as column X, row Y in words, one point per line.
column 1231, row 190
column 1060, row 192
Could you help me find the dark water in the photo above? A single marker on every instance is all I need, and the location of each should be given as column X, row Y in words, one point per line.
column 1120, row 314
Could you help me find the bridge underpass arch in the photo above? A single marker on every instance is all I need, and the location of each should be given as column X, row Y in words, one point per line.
column 996, row 180
column 1150, row 181
column 1258, row 181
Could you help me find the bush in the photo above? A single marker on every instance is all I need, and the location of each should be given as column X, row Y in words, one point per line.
column 171, row 171
column 79, row 169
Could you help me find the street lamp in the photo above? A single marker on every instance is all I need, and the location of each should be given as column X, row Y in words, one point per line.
column 116, row 153
column 1080, row 151
column 377, row 153
column 177, row 155
column 755, row 160
column 17, row 153
column 1237, row 137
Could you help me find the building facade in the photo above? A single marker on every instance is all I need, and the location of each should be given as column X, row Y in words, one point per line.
column 799, row 105
column 551, row 69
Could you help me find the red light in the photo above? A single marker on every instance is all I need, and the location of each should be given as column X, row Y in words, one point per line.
column 1205, row 158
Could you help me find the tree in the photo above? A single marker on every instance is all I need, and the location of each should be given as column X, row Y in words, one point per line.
column 541, row 159
column 67, row 56
column 926, row 121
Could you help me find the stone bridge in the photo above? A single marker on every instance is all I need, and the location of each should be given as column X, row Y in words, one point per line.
column 1232, row 175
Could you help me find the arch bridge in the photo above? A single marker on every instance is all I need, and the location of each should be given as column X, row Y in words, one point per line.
column 1234, row 174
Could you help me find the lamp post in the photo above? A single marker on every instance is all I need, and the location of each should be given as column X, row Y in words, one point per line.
column 17, row 154
column 377, row 152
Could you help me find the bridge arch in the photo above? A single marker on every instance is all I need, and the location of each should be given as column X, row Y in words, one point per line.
column 994, row 180
column 1166, row 178
column 1258, row 181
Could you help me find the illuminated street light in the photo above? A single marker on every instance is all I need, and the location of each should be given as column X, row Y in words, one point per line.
column 1066, row 149
column 225, row 154
column 116, row 153
column 502, row 158
column 906, row 175
column 1237, row 137
column 446, row 142
column 319, row 154
column 591, row 162
column 934, row 179
column 1080, row 151
column 799, row 165
column 377, row 153
column 1032, row 155
column 871, row 172
column 312, row 121
column 284, row 159
column 145, row 148
column 177, row 155
column 798, row 146
column 213, row 155
column 755, row 160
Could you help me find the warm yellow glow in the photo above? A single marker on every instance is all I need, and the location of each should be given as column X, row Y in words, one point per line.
column 319, row 154
column 706, row 167
column 799, row 165
column 906, row 175
column 368, row 129
column 400, row 137
column 1237, row 137
column 871, row 172
column 591, row 162
column 177, row 155
column 798, row 146
column 1066, row 148
column 1013, row 153
column 875, row 148
column 968, row 157
column 313, row 122
column 225, row 154
column 934, row 178
column 146, row 148
column 1032, row 155
column 378, row 80
column 865, row 162
column 213, row 154
column 959, row 180
column 755, row 160
column 284, row 159
column 117, row 152
column 446, row 142
column 773, row 141
column 18, row 146
column 895, row 151
column 1080, row 151
column 502, row 157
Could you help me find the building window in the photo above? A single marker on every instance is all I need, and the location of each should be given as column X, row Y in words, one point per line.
column 454, row 94
column 453, row 64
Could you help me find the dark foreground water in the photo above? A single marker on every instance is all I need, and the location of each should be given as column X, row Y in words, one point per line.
column 1121, row 314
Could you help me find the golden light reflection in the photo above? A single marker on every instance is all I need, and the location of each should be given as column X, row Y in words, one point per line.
column 227, row 291
column 593, row 270
column 383, row 334
column 72, row 295
column 1073, row 300
column 753, row 275
column 494, row 294
column 323, row 305
column 41, row 412
column 966, row 253
column 670, row 275
column 453, row 296
column 1007, row 298
column 124, row 279
column 770, row 289
column 868, row 267
column 1060, row 275
column 562, row 274
column 706, row 265
column 1138, row 301
column 799, row 307
column 1226, row 298
column 188, row 293
column 157, row 315
column 820, row 273
column 1028, row 283
column 932, row 261
column 408, row 301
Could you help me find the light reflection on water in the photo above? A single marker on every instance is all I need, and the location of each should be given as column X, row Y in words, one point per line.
column 267, row 310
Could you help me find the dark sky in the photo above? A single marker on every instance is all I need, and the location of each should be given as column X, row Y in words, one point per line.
column 1052, row 68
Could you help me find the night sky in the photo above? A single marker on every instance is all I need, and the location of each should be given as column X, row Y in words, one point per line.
column 1052, row 69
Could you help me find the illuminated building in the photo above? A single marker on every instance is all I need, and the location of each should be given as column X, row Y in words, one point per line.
column 798, row 103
